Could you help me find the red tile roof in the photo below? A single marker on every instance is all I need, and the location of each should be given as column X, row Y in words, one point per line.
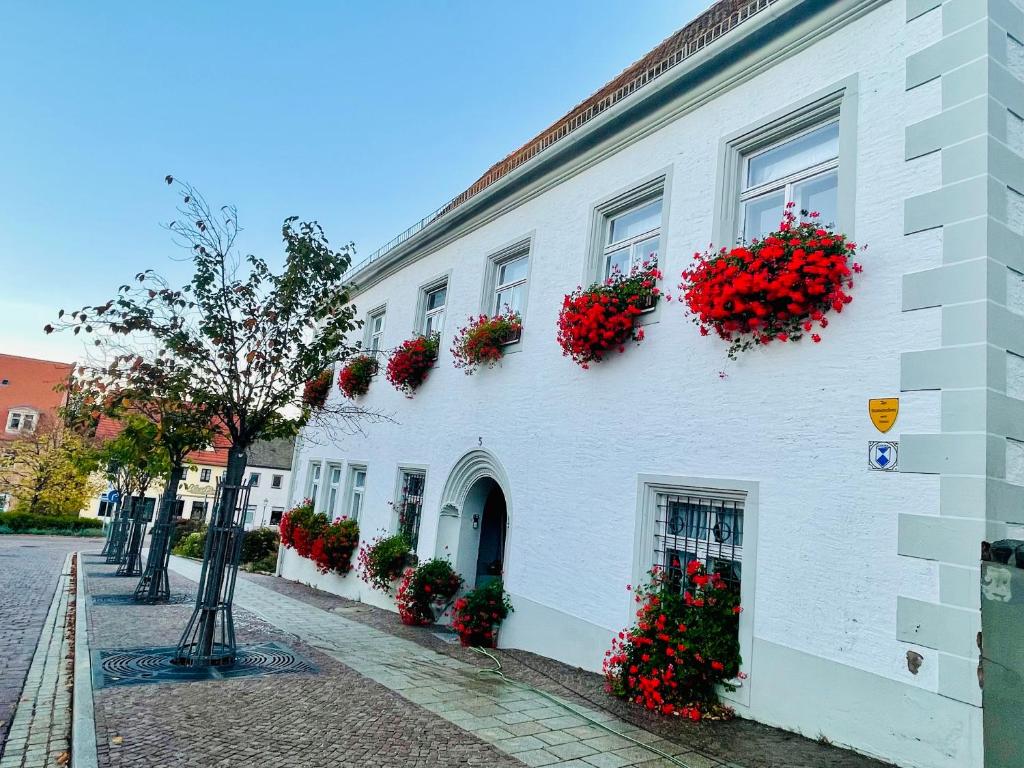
column 108, row 428
column 30, row 383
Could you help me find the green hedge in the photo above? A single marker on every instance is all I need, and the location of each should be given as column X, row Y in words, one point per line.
column 26, row 522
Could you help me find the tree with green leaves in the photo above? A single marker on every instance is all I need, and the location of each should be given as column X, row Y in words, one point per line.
column 247, row 339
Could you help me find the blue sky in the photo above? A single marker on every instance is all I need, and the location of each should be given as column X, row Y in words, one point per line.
column 363, row 115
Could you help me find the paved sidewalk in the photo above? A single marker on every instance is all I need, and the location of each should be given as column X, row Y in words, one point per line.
column 533, row 728
column 40, row 735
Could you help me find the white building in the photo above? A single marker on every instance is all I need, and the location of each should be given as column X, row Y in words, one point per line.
column 268, row 473
column 908, row 115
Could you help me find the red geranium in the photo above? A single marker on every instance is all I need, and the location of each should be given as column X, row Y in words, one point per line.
column 300, row 527
column 483, row 341
column 425, row 590
column 354, row 379
column 683, row 646
column 409, row 365
column 333, row 548
column 314, row 394
column 773, row 289
column 596, row 320
column 478, row 615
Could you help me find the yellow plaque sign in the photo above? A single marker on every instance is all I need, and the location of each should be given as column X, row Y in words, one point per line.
column 883, row 412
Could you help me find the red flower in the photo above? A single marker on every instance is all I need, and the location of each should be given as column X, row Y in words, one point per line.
column 483, row 341
column 355, row 377
column 410, row 364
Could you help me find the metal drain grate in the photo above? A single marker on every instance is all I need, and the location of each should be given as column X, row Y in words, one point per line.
column 127, row 599
column 135, row 666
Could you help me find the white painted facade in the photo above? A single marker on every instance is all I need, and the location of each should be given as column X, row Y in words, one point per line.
column 845, row 570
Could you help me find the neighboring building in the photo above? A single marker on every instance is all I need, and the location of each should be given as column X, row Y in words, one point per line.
column 29, row 398
column 902, row 122
column 268, row 473
column 196, row 490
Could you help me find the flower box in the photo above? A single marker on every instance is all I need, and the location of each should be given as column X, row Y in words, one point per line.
column 512, row 335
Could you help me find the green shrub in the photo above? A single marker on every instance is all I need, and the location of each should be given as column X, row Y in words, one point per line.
column 259, row 544
column 183, row 527
column 192, row 545
column 383, row 560
column 26, row 522
column 266, row 565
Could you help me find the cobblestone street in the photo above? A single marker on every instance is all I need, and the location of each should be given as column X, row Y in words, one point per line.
column 30, row 567
column 384, row 695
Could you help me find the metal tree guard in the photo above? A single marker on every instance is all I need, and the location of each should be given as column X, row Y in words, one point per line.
column 135, row 533
column 209, row 637
column 119, row 534
column 155, row 585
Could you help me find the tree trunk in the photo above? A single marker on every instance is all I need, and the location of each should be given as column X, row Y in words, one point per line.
column 155, row 586
column 209, row 637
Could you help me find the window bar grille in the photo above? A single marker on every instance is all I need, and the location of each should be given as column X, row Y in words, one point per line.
column 411, row 507
column 699, row 528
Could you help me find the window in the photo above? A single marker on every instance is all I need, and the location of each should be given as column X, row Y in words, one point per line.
column 434, row 299
column 250, row 513
column 276, row 481
column 276, row 513
column 631, row 236
column 333, row 490
column 410, row 505
column 105, row 510
column 356, row 489
column 198, row 510
column 375, row 331
column 801, row 169
column 179, row 507
column 254, row 479
column 22, row 420
column 510, row 284
column 204, row 475
column 313, row 482
column 707, row 528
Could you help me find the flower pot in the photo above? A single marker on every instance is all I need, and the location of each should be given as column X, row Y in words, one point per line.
column 512, row 335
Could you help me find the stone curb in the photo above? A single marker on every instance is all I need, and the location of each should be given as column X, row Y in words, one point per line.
column 83, row 721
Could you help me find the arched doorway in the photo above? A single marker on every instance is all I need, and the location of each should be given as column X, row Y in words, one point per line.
column 473, row 525
column 493, row 527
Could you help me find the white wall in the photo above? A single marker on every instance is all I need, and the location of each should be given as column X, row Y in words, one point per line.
column 790, row 418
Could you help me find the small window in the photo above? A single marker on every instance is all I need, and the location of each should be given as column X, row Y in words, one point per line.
column 276, row 480
column 433, row 309
column 254, row 479
column 333, row 490
column 313, row 482
column 705, row 528
column 510, row 284
column 802, row 169
column 179, row 507
column 375, row 331
column 410, row 505
column 21, row 420
column 250, row 514
column 276, row 513
column 198, row 511
column 204, row 475
column 632, row 238
column 356, row 489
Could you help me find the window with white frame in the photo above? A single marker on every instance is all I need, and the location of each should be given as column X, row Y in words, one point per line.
column 333, row 490
column 375, row 331
column 510, row 283
column 707, row 527
column 356, row 490
column 276, row 481
column 410, row 504
column 313, row 482
column 276, row 513
column 631, row 235
column 802, row 169
column 22, row 420
column 254, row 479
column 434, row 299
column 204, row 475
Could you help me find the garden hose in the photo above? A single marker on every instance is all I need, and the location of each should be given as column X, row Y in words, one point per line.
column 498, row 672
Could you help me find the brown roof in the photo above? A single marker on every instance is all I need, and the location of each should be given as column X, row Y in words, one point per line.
column 709, row 26
column 717, row 20
column 27, row 382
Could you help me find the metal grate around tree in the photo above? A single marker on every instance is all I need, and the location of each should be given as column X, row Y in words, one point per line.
column 209, row 637
column 704, row 528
